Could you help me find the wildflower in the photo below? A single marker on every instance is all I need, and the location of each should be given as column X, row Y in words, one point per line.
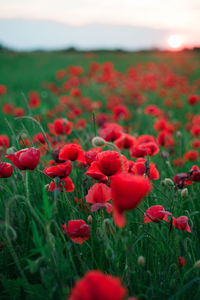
column 59, row 170
column 4, row 141
column 156, row 213
column 72, row 152
column 97, row 286
column 181, row 223
column 127, row 192
column 78, row 231
column 65, row 183
column 6, row 170
column 62, row 126
column 181, row 261
column 107, row 163
column 98, row 195
column 25, row 159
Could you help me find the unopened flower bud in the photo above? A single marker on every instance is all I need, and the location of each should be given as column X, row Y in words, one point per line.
column 168, row 182
column 184, row 193
column 64, row 121
column 197, row 264
column 178, row 134
column 10, row 150
column 24, row 135
column 46, row 187
column 141, row 261
column 89, row 219
column 97, row 141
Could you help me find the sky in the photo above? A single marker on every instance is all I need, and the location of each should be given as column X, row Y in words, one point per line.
column 179, row 16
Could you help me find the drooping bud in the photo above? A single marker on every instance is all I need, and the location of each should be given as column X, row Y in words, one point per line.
column 168, row 182
column 97, row 141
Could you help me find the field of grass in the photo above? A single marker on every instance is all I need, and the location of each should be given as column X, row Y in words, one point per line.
column 159, row 259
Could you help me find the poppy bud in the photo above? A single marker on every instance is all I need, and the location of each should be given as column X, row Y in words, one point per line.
column 97, row 141
column 10, row 150
column 89, row 219
column 178, row 134
column 46, row 187
column 184, row 193
column 197, row 264
column 168, row 182
column 181, row 261
column 141, row 261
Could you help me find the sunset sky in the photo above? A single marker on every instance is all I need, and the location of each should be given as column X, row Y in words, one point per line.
column 181, row 17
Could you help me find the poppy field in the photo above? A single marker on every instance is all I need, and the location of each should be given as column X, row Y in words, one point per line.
column 100, row 175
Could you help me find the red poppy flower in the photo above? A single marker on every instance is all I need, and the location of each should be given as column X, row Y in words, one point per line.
column 78, row 231
column 65, row 183
column 8, row 108
column 25, row 159
column 156, row 213
column 3, row 89
column 181, row 223
column 80, row 124
column 107, row 163
column 34, row 100
column 181, row 261
column 121, row 112
column 60, row 170
column 110, row 132
column 19, row 112
column 90, row 156
column 125, row 141
column 6, row 170
column 193, row 99
column 127, row 192
column 72, row 152
column 194, row 174
column 4, row 141
column 182, row 179
column 191, row 155
column 39, row 138
column 140, row 169
column 195, row 143
column 97, row 286
column 145, row 138
column 141, row 150
column 98, row 195
column 165, row 139
column 62, row 126
column 152, row 110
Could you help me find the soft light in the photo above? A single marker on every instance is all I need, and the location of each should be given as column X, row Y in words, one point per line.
column 175, row 41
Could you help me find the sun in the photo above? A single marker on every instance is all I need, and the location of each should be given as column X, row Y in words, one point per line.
column 175, row 41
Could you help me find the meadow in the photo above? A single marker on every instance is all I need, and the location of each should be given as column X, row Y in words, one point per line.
column 99, row 175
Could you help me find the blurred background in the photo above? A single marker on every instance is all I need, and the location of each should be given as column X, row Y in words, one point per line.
column 99, row 24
